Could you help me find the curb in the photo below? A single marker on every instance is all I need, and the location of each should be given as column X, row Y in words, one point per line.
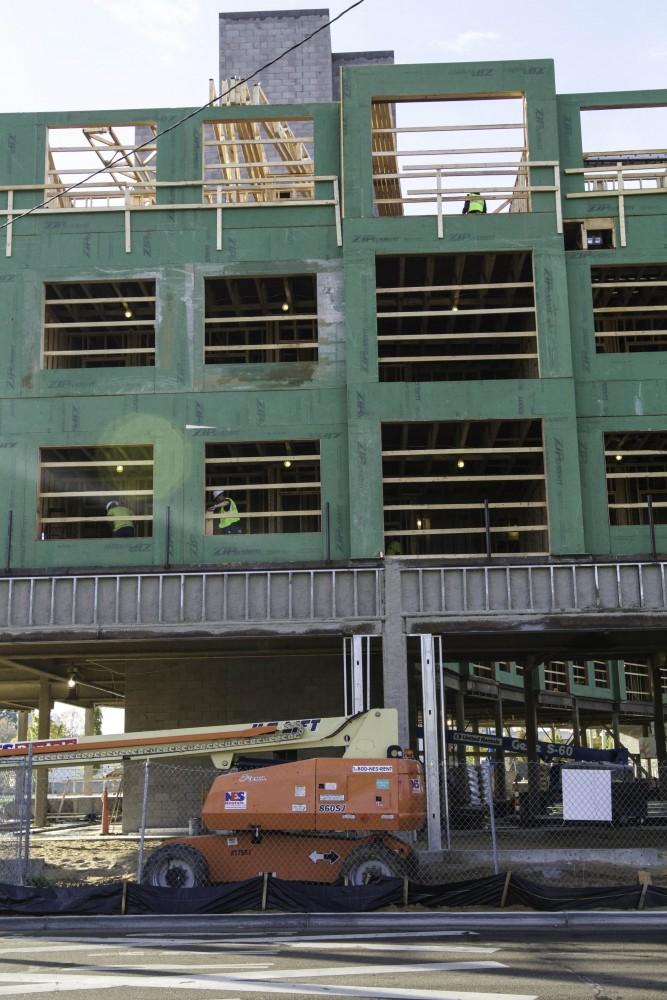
column 281, row 924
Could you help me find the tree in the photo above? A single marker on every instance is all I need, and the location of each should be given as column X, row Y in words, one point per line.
column 59, row 728
column 8, row 725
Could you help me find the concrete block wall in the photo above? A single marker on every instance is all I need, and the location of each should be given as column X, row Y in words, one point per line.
column 247, row 41
column 165, row 695
column 161, row 695
column 340, row 59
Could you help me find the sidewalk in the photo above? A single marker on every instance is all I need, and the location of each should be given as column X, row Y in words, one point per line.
column 267, row 924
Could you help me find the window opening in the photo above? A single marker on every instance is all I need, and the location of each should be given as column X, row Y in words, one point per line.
column 443, row 149
column 636, row 469
column 99, row 324
column 625, row 137
column 78, row 484
column 257, row 160
column 637, row 681
column 483, row 670
column 261, row 319
column 601, row 673
column 630, row 308
column 456, row 316
column 438, row 479
column 589, row 234
column 555, row 676
column 72, row 153
column 580, row 674
column 274, row 485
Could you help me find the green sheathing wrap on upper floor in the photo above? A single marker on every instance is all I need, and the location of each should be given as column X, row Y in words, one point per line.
column 549, row 398
column 614, row 392
column 164, row 421
column 181, row 403
column 531, row 79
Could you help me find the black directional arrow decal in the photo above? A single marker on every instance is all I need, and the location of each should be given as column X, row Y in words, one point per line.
column 330, row 856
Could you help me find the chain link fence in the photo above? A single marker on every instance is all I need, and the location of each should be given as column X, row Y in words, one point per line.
column 185, row 825
column 566, row 824
column 16, row 793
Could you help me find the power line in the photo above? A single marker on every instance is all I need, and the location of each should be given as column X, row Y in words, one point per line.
column 181, row 121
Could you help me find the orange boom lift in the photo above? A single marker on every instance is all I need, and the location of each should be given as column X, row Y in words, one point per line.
column 315, row 818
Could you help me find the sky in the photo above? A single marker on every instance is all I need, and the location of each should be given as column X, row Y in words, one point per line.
column 83, row 54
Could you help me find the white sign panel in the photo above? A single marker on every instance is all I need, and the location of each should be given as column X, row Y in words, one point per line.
column 586, row 795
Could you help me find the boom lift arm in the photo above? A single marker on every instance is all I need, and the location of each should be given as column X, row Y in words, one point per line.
column 365, row 735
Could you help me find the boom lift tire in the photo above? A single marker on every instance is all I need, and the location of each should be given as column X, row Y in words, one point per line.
column 371, row 862
column 176, row 866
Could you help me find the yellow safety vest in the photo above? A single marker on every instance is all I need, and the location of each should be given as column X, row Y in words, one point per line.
column 118, row 514
column 475, row 204
column 230, row 516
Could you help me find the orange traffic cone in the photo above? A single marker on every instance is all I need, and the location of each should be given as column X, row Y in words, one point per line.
column 105, row 811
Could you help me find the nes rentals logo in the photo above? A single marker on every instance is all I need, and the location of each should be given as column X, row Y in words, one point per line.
column 235, row 800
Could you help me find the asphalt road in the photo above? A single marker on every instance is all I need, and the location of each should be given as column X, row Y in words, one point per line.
column 401, row 965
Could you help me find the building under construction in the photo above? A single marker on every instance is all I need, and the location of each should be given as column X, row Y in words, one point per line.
column 411, row 324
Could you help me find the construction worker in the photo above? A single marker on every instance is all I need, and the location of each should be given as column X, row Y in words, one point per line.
column 474, row 204
column 120, row 526
column 230, row 522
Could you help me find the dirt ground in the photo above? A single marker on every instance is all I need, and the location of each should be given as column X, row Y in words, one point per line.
column 93, row 859
column 84, row 860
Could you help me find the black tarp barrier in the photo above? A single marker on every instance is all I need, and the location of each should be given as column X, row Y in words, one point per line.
column 228, row 898
column 540, row 897
column 115, row 898
column 44, row 901
column 308, row 897
column 471, row 892
column 655, row 896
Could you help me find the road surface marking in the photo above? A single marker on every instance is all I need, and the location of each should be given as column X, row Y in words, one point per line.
column 25, row 984
column 467, row 949
column 375, row 970
column 43, row 948
column 134, row 967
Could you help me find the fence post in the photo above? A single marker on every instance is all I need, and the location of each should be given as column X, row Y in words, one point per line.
column 443, row 743
column 488, row 790
column 506, row 889
column 142, row 832
column 431, row 762
column 26, row 818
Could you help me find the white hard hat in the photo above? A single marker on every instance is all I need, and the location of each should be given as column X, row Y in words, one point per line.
column 217, row 493
column 112, row 503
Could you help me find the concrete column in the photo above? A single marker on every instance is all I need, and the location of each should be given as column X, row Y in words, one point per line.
column 499, row 770
column 460, row 709
column 659, row 724
column 22, row 733
column 476, row 753
column 42, row 773
column 616, row 729
column 530, row 664
column 576, row 728
column 394, row 651
column 88, row 730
